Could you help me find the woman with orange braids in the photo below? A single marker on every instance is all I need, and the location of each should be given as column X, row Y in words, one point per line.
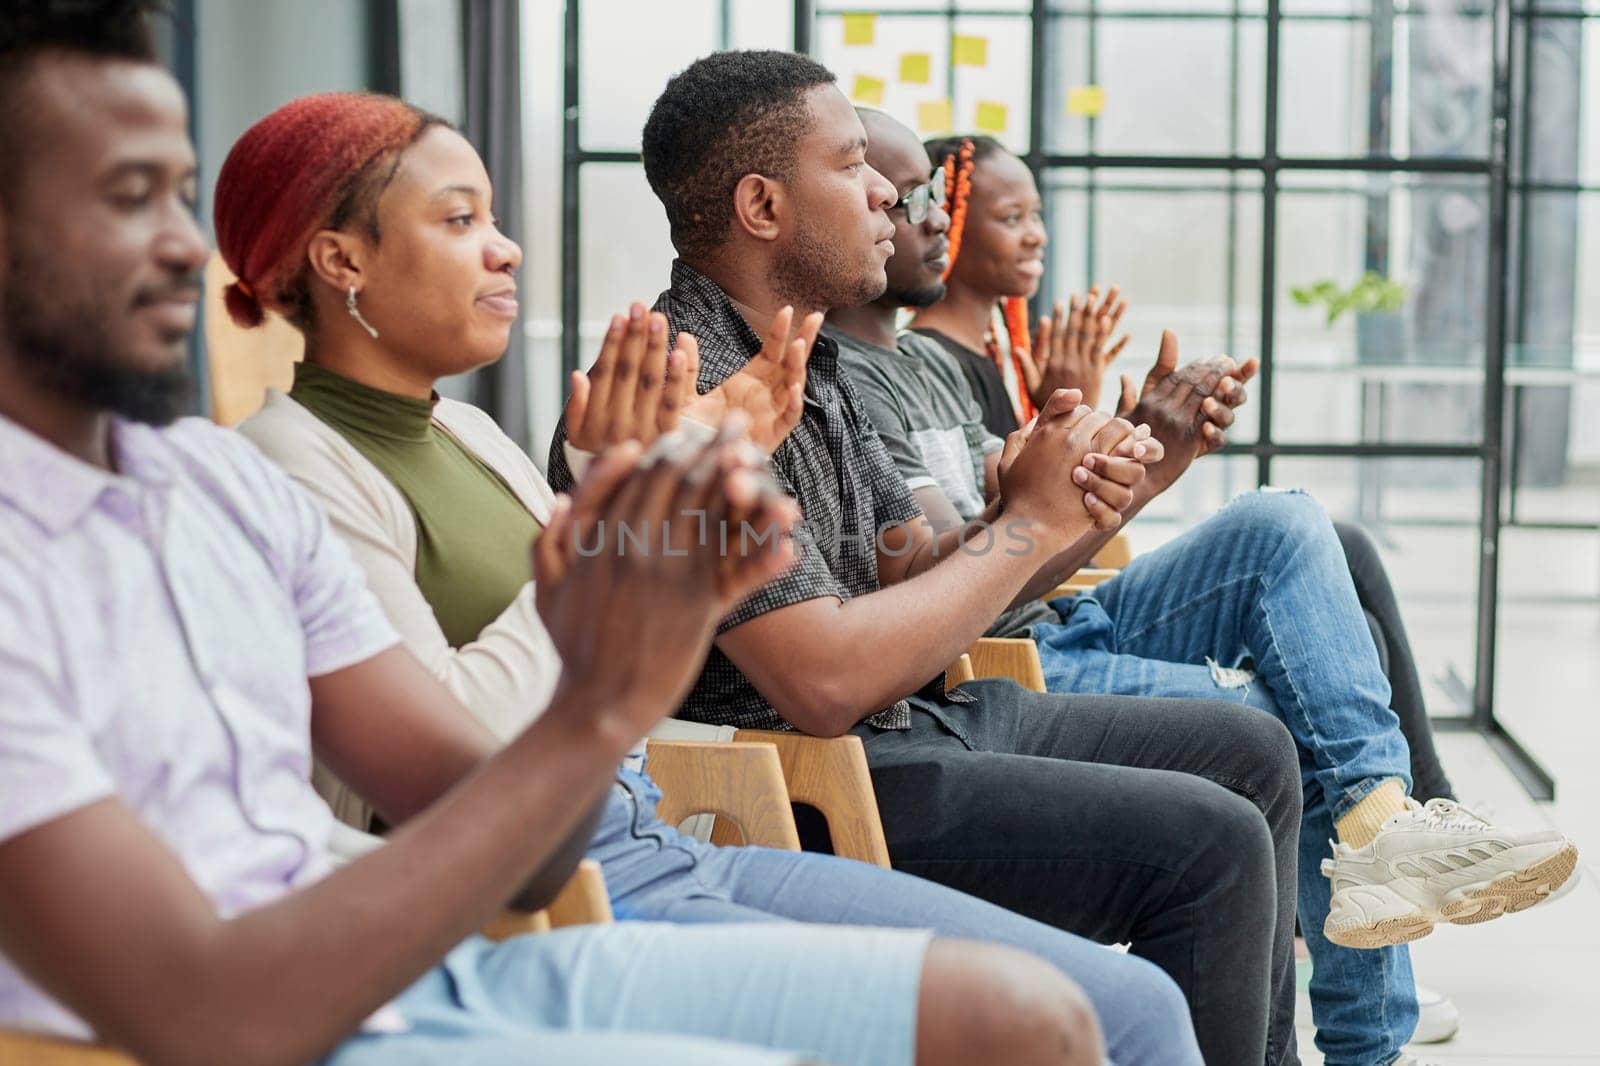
column 438, row 506
column 983, row 318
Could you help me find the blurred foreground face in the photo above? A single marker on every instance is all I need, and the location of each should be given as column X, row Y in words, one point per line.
column 100, row 283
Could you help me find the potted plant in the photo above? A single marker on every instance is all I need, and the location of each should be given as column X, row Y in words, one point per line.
column 1376, row 301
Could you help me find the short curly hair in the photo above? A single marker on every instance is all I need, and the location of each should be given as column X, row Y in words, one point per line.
column 727, row 115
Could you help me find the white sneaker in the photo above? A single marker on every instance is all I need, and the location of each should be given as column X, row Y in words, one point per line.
column 1411, row 1060
column 1438, row 863
column 1437, row 1017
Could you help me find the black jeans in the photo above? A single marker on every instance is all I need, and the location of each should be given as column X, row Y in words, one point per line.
column 1170, row 824
column 1428, row 779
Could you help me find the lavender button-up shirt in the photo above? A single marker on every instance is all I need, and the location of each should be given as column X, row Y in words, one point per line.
column 157, row 627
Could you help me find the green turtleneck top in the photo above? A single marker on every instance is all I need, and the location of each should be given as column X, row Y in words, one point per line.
column 473, row 533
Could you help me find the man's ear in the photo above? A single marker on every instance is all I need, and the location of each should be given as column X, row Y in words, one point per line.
column 337, row 258
column 759, row 206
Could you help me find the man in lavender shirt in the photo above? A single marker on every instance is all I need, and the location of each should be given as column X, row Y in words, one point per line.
column 178, row 624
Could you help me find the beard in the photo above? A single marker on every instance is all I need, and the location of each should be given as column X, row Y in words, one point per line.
column 916, row 299
column 65, row 345
column 814, row 271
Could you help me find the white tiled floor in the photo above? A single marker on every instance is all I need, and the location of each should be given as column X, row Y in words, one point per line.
column 1527, row 985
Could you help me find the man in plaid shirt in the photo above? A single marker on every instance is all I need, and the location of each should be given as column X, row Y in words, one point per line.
column 1120, row 819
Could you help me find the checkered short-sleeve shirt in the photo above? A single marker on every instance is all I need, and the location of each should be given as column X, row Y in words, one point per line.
column 833, row 463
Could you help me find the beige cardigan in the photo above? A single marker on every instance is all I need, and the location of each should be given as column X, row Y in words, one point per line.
column 506, row 676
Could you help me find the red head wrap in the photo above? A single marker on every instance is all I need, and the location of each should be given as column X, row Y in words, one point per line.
column 284, row 178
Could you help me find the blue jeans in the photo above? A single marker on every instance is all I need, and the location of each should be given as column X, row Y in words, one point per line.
column 1265, row 580
column 656, row 874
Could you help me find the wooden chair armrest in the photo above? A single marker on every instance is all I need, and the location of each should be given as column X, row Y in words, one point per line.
column 1016, row 658
column 1114, row 554
column 741, row 783
column 583, row 900
column 32, row 1049
column 830, row 774
column 1084, row 580
column 960, row 672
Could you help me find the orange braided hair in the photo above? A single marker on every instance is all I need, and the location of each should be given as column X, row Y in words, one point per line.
column 1014, row 310
column 957, row 168
column 957, row 190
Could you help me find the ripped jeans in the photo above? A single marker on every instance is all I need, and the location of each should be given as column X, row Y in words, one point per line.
column 1256, row 604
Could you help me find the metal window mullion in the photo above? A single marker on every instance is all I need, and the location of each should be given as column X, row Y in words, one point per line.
column 1269, row 239
column 571, row 201
column 804, row 23
column 1091, row 192
column 1494, row 371
column 1039, row 40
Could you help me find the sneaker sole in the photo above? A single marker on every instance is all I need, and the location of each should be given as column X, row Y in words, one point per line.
column 1506, row 894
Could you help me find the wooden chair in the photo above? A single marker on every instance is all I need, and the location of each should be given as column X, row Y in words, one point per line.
column 741, row 783
column 1107, row 562
column 242, row 364
column 1084, row 580
column 1115, row 554
column 26, row 1049
column 1013, row 657
column 830, row 774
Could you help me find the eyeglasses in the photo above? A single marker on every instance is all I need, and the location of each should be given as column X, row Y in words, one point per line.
column 915, row 203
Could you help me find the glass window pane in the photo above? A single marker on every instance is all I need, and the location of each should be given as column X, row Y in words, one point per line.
column 626, row 248
column 628, row 52
column 1185, row 246
column 1560, row 6
column 993, row 98
column 1417, row 84
column 1558, row 62
column 1163, row 7
column 1172, row 85
column 830, row 8
column 1553, row 364
column 760, row 24
column 1407, row 367
column 1546, row 671
column 1423, row 516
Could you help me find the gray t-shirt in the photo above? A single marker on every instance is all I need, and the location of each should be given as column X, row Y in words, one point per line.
column 932, row 427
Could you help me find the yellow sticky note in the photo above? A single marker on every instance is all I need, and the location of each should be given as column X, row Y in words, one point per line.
column 1086, row 100
column 969, row 51
column 868, row 90
column 935, row 116
column 860, row 28
column 991, row 117
column 914, row 67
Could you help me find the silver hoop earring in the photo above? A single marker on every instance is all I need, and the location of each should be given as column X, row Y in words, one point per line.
column 355, row 313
